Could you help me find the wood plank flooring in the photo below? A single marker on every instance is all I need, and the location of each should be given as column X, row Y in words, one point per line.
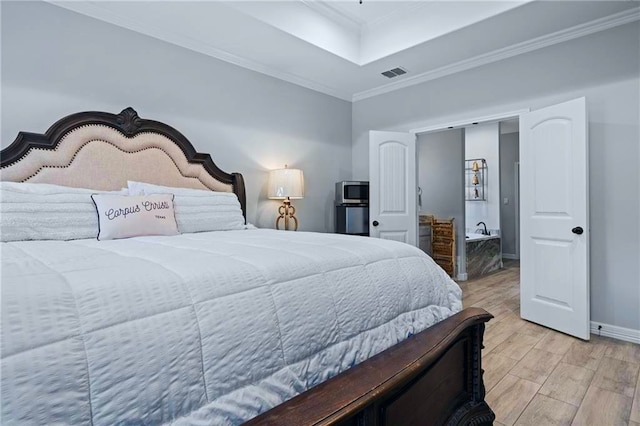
column 537, row 376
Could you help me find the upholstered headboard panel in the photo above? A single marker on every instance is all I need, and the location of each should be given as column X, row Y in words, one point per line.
column 101, row 151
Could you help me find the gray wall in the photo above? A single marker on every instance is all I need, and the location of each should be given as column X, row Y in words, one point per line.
column 56, row 62
column 604, row 67
column 441, row 177
column 509, row 155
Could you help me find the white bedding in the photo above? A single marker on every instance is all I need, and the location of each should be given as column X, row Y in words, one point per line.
column 208, row 328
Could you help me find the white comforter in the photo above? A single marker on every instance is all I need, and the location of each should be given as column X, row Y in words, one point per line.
column 208, row 328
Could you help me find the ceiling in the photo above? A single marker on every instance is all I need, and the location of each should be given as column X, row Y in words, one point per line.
column 341, row 47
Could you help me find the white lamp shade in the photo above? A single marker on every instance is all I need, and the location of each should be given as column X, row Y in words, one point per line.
column 285, row 183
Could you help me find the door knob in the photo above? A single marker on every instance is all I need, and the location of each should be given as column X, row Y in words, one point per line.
column 577, row 230
column 375, row 223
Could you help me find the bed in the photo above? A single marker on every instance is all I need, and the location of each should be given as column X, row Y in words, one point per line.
column 245, row 325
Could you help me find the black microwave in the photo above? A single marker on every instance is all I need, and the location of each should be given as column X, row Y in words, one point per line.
column 352, row 192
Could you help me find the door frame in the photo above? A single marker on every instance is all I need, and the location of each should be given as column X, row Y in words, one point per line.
column 464, row 122
column 517, row 202
column 461, row 123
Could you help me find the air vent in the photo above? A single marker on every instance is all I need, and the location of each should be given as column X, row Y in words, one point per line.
column 394, row 72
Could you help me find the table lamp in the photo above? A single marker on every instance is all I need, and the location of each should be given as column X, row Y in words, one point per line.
column 286, row 184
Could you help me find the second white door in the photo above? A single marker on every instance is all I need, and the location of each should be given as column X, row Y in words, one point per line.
column 554, row 221
column 393, row 186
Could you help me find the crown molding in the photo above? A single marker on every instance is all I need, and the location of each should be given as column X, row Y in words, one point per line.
column 94, row 10
column 597, row 25
column 335, row 15
column 329, row 10
column 395, row 15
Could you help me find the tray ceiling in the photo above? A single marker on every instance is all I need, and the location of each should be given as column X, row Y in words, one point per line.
column 341, row 47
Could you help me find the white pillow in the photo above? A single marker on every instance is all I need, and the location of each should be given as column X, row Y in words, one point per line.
column 39, row 211
column 135, row 216
column 198, row 210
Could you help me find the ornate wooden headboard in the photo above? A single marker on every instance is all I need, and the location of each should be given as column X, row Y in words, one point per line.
column 101, row 151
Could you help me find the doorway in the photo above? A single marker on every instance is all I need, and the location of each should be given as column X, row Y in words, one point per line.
column 440, row 163
column 468, row 173
column 554, row 216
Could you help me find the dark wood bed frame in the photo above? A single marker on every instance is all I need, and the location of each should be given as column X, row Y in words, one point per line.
column 432, row 378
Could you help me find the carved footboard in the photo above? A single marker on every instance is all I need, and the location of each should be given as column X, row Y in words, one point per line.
column 432, row 378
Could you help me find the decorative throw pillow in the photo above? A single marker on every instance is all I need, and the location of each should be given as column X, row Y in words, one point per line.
column 134, row 216
column 198, row 210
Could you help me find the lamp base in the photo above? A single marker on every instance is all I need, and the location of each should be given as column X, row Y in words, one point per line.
column 287, row 212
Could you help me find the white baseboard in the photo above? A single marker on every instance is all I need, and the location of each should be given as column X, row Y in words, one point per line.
column 510, row 256
column 615, row 332
column 462, row 277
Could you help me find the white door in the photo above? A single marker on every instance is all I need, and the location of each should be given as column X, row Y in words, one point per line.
column 554, row 221
column 393, row 213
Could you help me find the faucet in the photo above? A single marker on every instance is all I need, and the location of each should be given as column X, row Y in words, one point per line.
column 483, row 232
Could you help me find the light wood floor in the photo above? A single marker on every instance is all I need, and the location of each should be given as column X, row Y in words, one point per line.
column 536, row 376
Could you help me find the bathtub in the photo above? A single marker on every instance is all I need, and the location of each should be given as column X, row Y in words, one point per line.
column 479, row 237
column 483, row 254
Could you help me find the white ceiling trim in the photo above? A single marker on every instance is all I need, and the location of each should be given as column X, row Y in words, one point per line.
column 335, row 15
column 331, row 11
column 93, row 10
column 353, row 22
column 617, row 19
column 396, row 15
